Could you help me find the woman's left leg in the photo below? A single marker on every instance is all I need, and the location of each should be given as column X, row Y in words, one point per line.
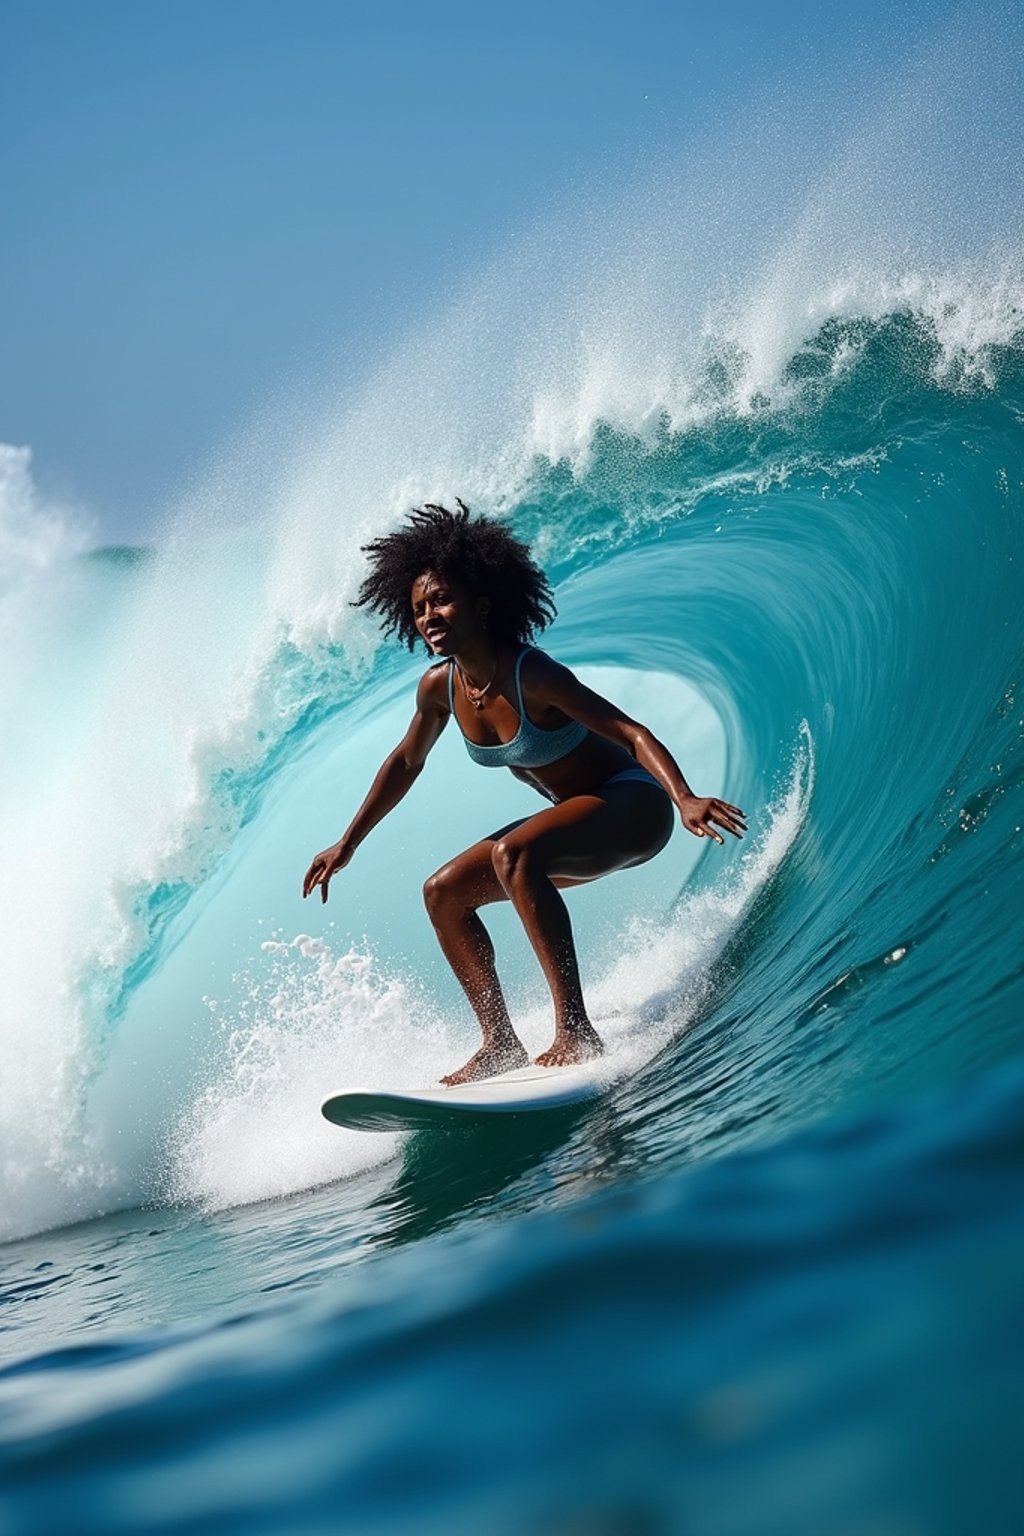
column 581, row 839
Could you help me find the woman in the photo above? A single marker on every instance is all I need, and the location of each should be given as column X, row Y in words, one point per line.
column 472, row 593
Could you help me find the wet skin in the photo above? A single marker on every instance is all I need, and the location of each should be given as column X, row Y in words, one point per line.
column 591, row 828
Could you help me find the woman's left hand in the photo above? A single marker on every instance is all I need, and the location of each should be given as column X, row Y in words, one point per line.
column 702, row 817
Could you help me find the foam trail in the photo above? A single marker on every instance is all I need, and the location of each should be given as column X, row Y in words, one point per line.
column 311, row 1020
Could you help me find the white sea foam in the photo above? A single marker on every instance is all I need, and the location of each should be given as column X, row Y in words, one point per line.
column 312, row 1022
column 33, row 532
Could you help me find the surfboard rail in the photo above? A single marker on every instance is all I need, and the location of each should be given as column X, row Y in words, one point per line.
column 527, row 1090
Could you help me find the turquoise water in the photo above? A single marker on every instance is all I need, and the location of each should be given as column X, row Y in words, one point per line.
column 771, row 1280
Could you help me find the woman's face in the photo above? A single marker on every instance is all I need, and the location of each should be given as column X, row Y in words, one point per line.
column 445, row 613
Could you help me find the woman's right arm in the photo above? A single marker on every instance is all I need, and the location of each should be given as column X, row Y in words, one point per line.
column 395, row 777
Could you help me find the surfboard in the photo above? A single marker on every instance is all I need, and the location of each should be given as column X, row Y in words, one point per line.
column 526, row 1091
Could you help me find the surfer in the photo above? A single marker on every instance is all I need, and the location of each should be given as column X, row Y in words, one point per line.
column 473, row 594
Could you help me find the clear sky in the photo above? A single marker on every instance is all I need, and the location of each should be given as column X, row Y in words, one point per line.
column 206, row 198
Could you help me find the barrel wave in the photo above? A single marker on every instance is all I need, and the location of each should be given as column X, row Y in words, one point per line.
column 784, row 525
column 817, row 607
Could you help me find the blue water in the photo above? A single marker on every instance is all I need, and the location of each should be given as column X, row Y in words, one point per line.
column 771, row 1280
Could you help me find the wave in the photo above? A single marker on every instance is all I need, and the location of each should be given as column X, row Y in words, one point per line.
column 825, row 563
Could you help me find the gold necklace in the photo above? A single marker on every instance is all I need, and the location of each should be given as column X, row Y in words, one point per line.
column 476, row 696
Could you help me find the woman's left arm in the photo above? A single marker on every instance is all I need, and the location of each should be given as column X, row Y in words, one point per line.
column 701, row 815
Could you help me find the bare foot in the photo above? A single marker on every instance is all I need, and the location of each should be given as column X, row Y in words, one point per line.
column 572, row 1046
column 488, row 1062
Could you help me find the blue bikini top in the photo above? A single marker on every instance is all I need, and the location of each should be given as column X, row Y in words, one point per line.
column 530, row 747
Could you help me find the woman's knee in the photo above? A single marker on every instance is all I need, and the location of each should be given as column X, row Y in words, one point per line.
column 438, row 891
column 515, row 863
column 460, row 886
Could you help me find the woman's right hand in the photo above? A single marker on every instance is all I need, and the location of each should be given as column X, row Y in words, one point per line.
column 325, row 865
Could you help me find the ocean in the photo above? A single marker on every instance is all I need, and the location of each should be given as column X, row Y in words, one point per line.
column 771, row 1281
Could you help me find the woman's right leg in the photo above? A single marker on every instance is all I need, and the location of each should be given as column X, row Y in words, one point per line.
column 452, row 895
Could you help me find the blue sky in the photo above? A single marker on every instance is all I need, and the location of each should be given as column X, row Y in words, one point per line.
column 206, row 200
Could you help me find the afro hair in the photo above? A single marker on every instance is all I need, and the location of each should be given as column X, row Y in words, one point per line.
column 477, row 552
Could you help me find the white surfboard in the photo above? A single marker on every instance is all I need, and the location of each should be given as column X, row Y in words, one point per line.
column 527, row 1090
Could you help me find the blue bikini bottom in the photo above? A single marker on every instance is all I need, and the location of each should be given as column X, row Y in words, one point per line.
column 639, row 774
